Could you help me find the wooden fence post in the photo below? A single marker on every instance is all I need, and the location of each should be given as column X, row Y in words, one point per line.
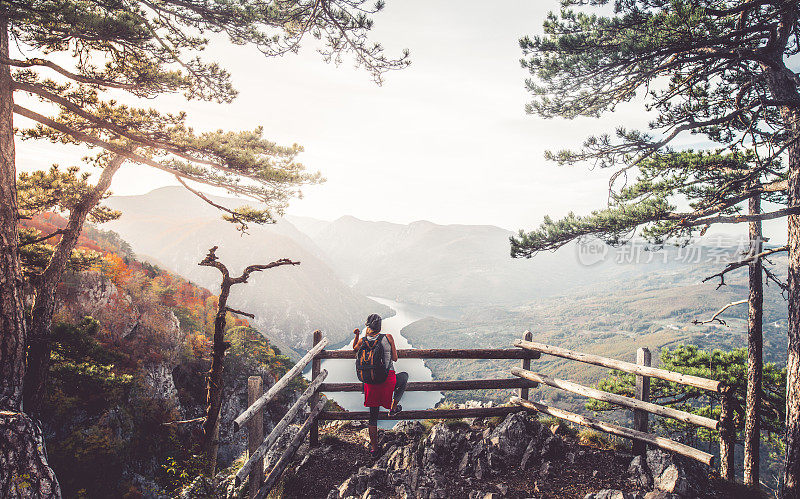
column 313, row 435
column 727, row 434
column 640, row 418
column 255, row 433
column 526, row 364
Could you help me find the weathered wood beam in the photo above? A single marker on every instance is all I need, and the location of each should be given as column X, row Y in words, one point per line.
column 287, row 455
column 255, row 435
column 278, row 386
column 443, row 353
column 613, row 398
column 620, row 431
column 476, row 412
column 276, row 432
column 628, row 367
column 433, row 386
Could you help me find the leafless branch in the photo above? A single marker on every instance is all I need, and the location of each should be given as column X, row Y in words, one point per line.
column 239, row 312
column 742, row 263
column 715, row 317
column 186, row 421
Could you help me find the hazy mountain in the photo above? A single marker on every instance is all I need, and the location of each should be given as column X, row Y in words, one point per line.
column 468, row 265
column 175, row 228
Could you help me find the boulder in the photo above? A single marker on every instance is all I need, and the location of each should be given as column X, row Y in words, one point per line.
column 364, row 480
column 511, row 437
column 668, row 473
column 639, row 474
column 409, row 428
column 443, row 446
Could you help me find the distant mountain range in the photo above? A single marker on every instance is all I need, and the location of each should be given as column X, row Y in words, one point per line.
column 175, row 229
column 462, row 267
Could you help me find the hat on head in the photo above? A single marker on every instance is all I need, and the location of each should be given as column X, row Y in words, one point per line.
column 374, row 322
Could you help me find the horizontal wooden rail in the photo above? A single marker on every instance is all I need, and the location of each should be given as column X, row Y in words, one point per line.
column 278, row 386
column 443, row 353
column 433, row 386
column 621, row 431
column 476, row 412
column 613, row 398
column 279, row 467
column 280, row 427
column 628, row 367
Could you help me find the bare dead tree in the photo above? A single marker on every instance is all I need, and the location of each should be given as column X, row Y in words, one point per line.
column 210, row 442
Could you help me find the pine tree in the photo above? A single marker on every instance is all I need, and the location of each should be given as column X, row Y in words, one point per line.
column 712, row 67
column 730, row 367
column 715, row 186
column 145, row 49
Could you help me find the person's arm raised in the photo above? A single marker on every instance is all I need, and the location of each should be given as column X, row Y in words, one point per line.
column 356, row 340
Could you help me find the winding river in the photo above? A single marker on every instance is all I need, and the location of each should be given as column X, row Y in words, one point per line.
column 343, row 370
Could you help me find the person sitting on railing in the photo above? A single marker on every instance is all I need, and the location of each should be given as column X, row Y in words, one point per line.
column 375, row 357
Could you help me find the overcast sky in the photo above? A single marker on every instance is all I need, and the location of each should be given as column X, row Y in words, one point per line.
column 446, row 140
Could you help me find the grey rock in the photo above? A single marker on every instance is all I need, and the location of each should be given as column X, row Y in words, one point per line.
column 361, row 481
column 612, row 494
column 511, row 436
column 660, row 494
column 502, row 488
column 465, row 466
column 442, row 446
column 639, row 474
column 668, row 473
column 531, row 453
column 411, row 428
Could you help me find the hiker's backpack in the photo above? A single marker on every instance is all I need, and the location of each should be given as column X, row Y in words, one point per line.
column 370, row 361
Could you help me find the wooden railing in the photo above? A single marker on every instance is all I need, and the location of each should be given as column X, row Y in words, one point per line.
column 258, row 446
column 523, row 379
column 641, row 404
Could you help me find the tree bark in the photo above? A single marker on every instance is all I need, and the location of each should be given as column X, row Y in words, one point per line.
column 210, row 442
column 45, row 288
column 791, row 466
column 12, row 320
column 24, row 471
column 23, row 460
column 752, row 426
column 782, row 85
column 214, row 387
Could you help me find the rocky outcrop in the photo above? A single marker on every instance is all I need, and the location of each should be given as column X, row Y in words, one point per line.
column 423, row 467
column 667, row 475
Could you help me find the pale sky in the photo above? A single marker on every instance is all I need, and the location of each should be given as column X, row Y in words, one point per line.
column 445, row 140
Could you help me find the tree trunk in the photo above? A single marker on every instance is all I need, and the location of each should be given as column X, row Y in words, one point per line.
column 752, row 425
column 12, row 320
column 214, row 388
column 45, row 288
column 791, row 467
column 782, row 86
column 23, row 459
